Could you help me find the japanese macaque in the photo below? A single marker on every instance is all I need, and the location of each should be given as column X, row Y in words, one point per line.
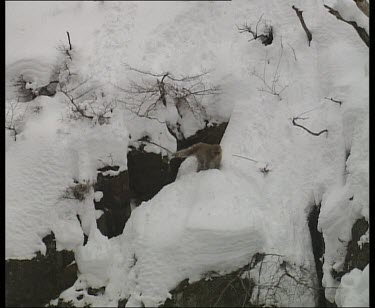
column 208, row 155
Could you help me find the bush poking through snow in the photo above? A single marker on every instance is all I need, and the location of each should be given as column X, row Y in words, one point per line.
column 14, row 116
column 164, row 90
column 266, row 37
column 23, row 89
column 86, row 100
column 78, row 191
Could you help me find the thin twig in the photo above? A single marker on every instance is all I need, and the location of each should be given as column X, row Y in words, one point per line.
column 293, row 51
column 333, row 100
column 245, row 158
column 306, row 129
column 158, row 145
column 70, row 45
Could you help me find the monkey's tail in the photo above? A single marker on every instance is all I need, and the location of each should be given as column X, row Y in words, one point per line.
column 187, row 152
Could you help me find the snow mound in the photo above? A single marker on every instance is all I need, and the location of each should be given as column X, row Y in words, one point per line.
column 354, row 289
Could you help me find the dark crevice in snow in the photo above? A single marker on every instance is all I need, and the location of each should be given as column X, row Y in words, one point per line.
column 211, row 135
column 318, row 245
column 115, row 203
column 357, row 256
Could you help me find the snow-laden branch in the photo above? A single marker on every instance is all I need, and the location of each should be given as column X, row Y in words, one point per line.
column 361, row 31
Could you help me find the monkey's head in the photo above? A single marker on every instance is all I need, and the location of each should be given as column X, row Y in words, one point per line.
column 216, row 150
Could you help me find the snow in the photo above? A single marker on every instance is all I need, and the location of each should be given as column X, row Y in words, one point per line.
column 44, row 161
column 354, row 289
column 214, row 220
column 98, row 195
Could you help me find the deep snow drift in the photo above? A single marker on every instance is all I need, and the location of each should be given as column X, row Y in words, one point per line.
column 208, row 221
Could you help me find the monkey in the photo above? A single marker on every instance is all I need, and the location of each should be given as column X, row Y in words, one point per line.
column 208, row 155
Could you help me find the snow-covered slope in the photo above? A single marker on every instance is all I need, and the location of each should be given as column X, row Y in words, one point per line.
column 217, row 219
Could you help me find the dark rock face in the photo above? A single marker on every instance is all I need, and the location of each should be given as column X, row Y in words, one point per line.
column 33, row 283
column 148, row 173
column 355, row 256
column 318, row 246
column 48, row 90
column 115, row 202
column 223, row 291
column 211, row 135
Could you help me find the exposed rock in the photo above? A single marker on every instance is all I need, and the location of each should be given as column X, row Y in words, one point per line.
column 33, row 283
column 148, row 173
column 222, row 291
column 211, row 135
column 115, row 202
column 318, row 247
column 122, row 303
column 357, row 257
column 48, row 90
column 95, row 292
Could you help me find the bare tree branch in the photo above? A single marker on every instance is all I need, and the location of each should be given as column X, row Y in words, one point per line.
column 333, row 100
column 255, row 161
column 77, row 107
column 295, row 57
column 147, row 139
column 361, row 31
column 142, row 98
column 70, row 45
column 299, row 14
column 306, row 129
column 266, row 37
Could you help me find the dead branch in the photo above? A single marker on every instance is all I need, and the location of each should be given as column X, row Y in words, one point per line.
column 143, row 97
column 77, row 108
column 299, row 14
column 13, row 119
column 363, row 5
column 265, row 38
column 147, row 139
column 361, row 31
column 333, row 100
column 306, row 129
column 264, row 169
column 70, row 45
column 295, row 57
column 255, row 161
column 13, row 129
